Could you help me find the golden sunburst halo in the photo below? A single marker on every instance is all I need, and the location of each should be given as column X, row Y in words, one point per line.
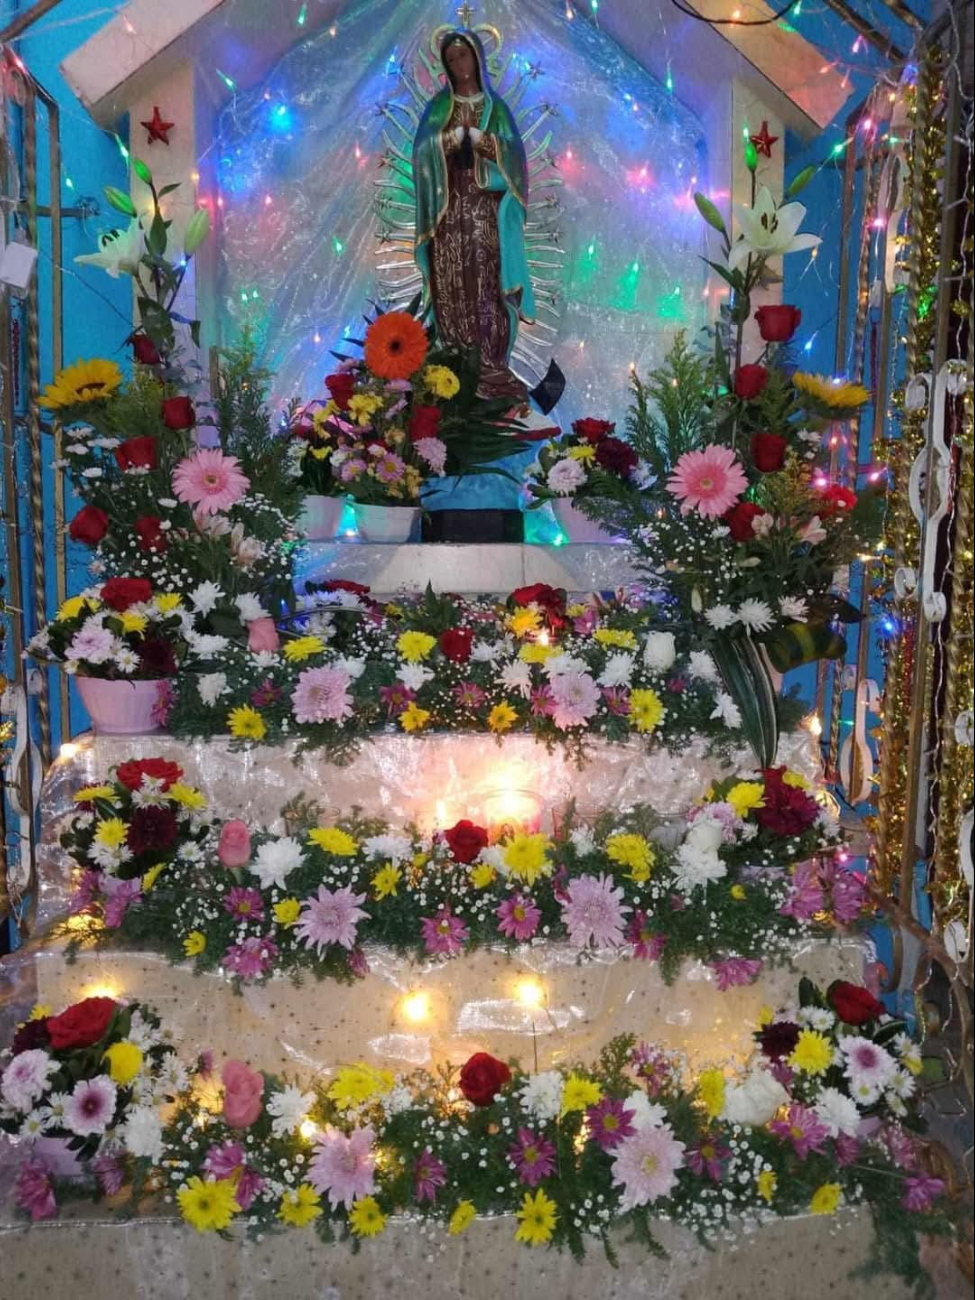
column 85, row 381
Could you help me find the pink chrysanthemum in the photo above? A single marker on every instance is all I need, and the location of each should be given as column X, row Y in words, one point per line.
column 109, row 1172
column 433, row 451
column 593, row 912
column 390, row 468
column 428, row 1174
column 542, row 702
column 847, row 1149
column 707, row 1158
column 920, row 1191
column 655, row 1067
column 210, row 481
column 33, row 1192
column 246, row 904
column 532, row 1156
column 518, row 917
column 91, row 1106
column 322, row 695
column 119, row 897
column 802, row 1127
column 647, row 943
column 228, row 1161
column 731, row 972
column 332, row 917
column 806, row 898
column 646, row 1166
column 252, row 958
column 343, row 1166
column 617, row 700
column 708, row 481
column 610, row 1123
column 847, row 891
column 396, row 698
column 444, row 933
column 575, row 698
column 469, row 695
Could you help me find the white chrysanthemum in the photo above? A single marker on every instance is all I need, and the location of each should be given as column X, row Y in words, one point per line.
column 249, row 607
column 413, row 676
column 866, row 1063
column 837, row 1112
column 720, row 616
column 289, row 1107
column 142, row 1134
column 659, row 651
column 211, row 686
column 348, row 664
column 205, row 645
column 618, row 670
column 755, row 615
column 516, row 676
column 727, row 710
column 204, row 597
column 265, row 658
column 397, row 848
column 566, row 476
column 701, row 667
column 695, row 867
column 793, row 607
column 541, row 1096
column 397, row 1100
column 556, row 665
column 646, row 1114
column 275, row 861
column 583, row 840
column 485, row 652
column 754, row 1100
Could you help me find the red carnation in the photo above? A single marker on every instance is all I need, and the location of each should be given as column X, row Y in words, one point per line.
column 82, row 1025
column 144, row 350
column 178, row 413
column 768, row 451
column 739, row 520
column 31, row 1035
column 617, row 456
column 346, row 584
column 788, row 810
column 136, row 453
column 465, row 841
column 482, row 1078
column 156, row 657
column 148, row 529
column 593, row 430
column 777, row 324
column 750, row 381
column 152, row 829
column 89, row 525
column 778, row 1039
column 853, row 1004
column 120, row 593
column 456, row 644
column 836, row 499
column 424, row 422
column 130, row 774
column 340, row 387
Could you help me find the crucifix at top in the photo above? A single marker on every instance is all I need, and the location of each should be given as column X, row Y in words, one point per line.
column 465, row 13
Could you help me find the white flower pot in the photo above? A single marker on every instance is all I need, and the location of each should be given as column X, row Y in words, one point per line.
column 320, row 517
column 576, row 526
column 121, row 708
column 385, row 523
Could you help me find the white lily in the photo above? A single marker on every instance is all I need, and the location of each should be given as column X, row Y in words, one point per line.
column 769, row 231
column 118, row 251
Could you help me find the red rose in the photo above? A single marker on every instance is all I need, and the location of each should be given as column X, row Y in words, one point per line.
column 853, row 1004
column 136, row 453
column 89, row 526
column 456, row 644
column 778, row 324
column 768, row 451
column 178, row 413
column 156, row 657
column 120, row 593
column 617, row 456
column 130, row 774
column 592, row 430
column 465, row 841
column 148, row 529
column 81, row 1025
column 144, row 350
column 836, row 499
column 482, row 1078
column 750, row 381
column 340, row 387
column 424, row 422
column 539, row 593
column 739, row 520
column 152, row 829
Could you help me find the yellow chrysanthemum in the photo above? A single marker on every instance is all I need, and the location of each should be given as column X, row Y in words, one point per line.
column 319, row 453
column 524, row 621
column 765, row 1185
column 40, row 1011
column 575, row 611
column 745, row 796
column 536, row 1218
column 385, row 881
column 287, row 911
column 124, row 1061
column 482, row 875
column 333, row 840
column 738, row 893
column 812, row 1054
column 443, row 381
column 167, row 601
column 74, row 606
column 710, row 1092
column 826, row 1199
column 89, row 792
column 187, row 796
column 366, row 1219
column 615, row 636
column 303, row 647
column 585, row 453
column 151, row 876
column 132, row 621
column 414, row 646
column 765, row 1016
column 580, row 1093
column 462, row 1218
column 795, row 778
column 356, row 1084
column 246, row 723
column 85, row 381
column 828, row 392
column 208, row 1206
column 413, row 718
column 111, row 832
column 526, row 857
column 502, row 717
column 363, row 406
column 533, row 652
column 321, row 417
column 633, row 851
column 300, row 1207
column 194, row 943
column 646, row 710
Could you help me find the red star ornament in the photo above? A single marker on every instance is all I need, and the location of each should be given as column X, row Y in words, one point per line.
column 158, row 128
column 763, row 141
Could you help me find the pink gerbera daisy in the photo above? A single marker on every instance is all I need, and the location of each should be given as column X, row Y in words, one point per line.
column 332, row 917
column 322, row 695
column 444, row 933
column 708, row 481
column 646, row 1166
column 593, row 911
column 343, row 1166
column 209, row 480
column 518, row 917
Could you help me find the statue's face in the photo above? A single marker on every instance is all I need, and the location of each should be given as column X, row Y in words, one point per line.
column 461, row 64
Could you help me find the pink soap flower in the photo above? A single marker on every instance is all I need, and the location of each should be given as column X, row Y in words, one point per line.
column 243, row 1096
column 234, row 849
column 262, row 635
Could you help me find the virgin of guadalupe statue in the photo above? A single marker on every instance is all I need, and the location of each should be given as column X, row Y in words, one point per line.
column 471, row 182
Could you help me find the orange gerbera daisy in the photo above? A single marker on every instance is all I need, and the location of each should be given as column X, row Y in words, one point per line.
column 396, row 345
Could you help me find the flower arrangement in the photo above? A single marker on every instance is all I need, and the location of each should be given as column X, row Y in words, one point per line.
column 234, row 897
column 574, row 465
column 81, row 1090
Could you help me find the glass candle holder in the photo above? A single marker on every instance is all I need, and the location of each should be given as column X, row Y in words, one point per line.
column 508, row 812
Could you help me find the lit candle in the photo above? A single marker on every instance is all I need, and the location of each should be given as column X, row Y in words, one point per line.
column 510, row 811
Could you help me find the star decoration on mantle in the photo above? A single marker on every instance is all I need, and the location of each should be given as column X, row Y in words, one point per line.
column 157, row 127
column 763, row 141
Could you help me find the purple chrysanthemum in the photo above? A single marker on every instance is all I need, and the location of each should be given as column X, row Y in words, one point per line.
column 806, row 898
column 332, row 917
column 343, row 1166
column 801, row 1126
column 468, row 695
column 109, row 1172
column 244, row 903
column 920, row 1191
column 706, row 1158
column 655, row 1067
column 396, row 698
column 609, row 1123
column 532, row 1156
column 252, row 958
column 647, row 943
column 33, row 1192
column 617, row 700
column 733, row 971
column 120, row 895
column 518, row 917
column 444, row 933
column 593, row 911
column 429, row 1174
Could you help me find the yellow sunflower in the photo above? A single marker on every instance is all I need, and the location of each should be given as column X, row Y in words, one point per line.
column 85, row 381
column 829, row 393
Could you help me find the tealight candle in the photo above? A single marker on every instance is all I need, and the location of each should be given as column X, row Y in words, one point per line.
column 510, row 811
